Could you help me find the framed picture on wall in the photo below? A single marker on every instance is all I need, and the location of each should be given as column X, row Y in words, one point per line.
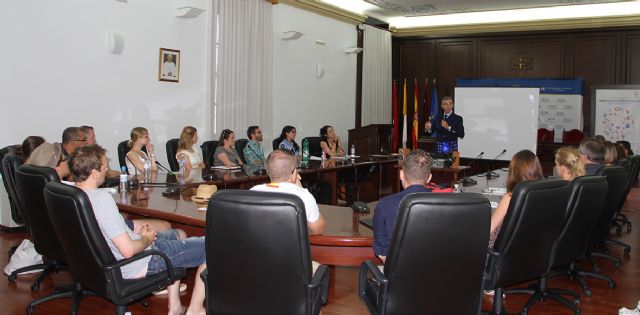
column 169, row 65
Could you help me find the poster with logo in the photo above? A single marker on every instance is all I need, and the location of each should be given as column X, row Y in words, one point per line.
column 617, row 114
column 560, row 111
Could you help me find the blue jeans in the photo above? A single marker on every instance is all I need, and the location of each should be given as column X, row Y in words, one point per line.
column 185, row 253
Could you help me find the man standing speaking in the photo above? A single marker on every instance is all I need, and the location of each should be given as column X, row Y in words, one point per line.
column 447, row 128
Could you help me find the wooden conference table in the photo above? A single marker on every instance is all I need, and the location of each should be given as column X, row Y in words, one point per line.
column 345, row 241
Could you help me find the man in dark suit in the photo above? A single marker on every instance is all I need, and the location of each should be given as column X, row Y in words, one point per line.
column 447, row 127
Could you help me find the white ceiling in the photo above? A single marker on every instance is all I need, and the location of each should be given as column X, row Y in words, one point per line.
column 407, row 8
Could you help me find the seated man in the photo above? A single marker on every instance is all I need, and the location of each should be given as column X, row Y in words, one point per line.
column 592, row 154
column 88, row 165
column 253, row 153
column 281, row 167
column 415, row 173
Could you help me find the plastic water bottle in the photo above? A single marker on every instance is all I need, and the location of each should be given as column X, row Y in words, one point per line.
column 146, row 166
column 353, row 150
column 123, row 179
column 183, row 168
column 305, row 150
column 324, row 156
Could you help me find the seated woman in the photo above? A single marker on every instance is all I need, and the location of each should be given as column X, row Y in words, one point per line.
column 136, row 158
column 226, row 154
column 610, row 153
column 186, row 151
column 569, row 165
column 330, row 142
column 524, row 166
column 287, row 140
column 29, row 144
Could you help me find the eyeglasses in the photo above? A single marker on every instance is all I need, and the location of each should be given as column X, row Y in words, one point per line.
column 81, row 140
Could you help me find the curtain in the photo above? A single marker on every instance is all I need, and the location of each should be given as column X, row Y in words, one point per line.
column 376, row 76
column 242, row 58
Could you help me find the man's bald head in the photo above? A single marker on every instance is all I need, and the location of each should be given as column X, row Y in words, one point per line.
column 280, row 165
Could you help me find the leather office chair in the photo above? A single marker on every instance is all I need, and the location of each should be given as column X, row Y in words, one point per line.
column 208, row 147
column 632, row 165
column 240, row 144
column 275, row 143
column 573, row 136
column 91, row 263
column 545, row 135
column 583, row 209
column 123, row 149
column 426, row 253
column 259, row 245
column 172, row 150
column 523, row 247
column 30, row 182
column 616, row 176
column 16, row 215
column 314, row 146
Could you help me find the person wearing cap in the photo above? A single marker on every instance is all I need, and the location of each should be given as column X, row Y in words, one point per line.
column 50, row 155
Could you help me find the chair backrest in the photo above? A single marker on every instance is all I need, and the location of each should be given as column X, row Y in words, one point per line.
column 583, row 209
column 545, row 135
column 10, row 163
column 529, row 230
column 260, row 245
column 438, row 239
column 172, row 150
column 123, row 149
column 314, row 145
column 86, row 249
column 573, row 136
column 631, row 167
column 208, row 147
column 275, row 143
column 30, row 182
column 240, row 144
column 616, row 176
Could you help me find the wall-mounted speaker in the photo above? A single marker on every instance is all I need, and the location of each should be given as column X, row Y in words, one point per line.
column 115, row 43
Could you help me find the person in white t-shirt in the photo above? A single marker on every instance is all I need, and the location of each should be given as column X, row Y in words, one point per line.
column 281, row 167
column 88, row 165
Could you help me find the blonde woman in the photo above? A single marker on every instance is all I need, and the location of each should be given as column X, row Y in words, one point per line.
column 610, row 153
column 136, row 158
column 186, row 151
column 569, row 165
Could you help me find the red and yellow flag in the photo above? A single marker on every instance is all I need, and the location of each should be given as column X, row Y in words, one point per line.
column 404, row 114
column 414, row 133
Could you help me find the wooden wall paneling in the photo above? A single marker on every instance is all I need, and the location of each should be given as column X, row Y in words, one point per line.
column 595, row 59
column 454, row 61
column 522, row 57
column 631, row 65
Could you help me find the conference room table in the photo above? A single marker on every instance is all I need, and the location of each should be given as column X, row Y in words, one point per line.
column 346, row 241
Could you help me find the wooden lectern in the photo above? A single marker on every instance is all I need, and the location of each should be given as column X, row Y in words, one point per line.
column 371, row 139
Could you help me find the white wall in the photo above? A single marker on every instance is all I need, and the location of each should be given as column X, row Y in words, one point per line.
column 57, row 71
column 300, row 98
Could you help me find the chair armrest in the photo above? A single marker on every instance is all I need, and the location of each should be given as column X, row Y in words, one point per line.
column 320, row 279
column 204, row 274
column 368, row 267
column 141, row 255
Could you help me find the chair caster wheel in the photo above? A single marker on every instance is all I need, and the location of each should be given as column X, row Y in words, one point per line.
column 587, row 292
column 618, row 230
column 576, row 301
column 612, row 284
column 35, row 287
column 627, row 251
column 616, row 264
column 30, row 309
column 12, row 278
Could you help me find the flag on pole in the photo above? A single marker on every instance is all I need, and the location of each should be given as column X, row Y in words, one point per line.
column 396, row 123
column 404, row 114
column 434, row 104
column 427, row 112
column 414, row 133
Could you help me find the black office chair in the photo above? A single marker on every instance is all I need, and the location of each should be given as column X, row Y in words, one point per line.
column 314, row 145
column 240, row 144
column 16, row 215
column 275, row 143
column 172, row 150
column 208, row 148
column 522, row 249
column 123, row 149
column 632, row 166
column 258, row 256
column 93, row 267
column 616, row 176
column 30, row 182
column 426, row 253
column 583, row 209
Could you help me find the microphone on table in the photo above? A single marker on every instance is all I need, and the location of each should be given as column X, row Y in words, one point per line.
column 165, row 169
column 468, row 181
column 490, row 174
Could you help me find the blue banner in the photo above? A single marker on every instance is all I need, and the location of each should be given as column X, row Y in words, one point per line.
column 547, row 86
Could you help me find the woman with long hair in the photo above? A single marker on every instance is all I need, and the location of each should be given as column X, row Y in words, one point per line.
column 569, row 165
column 186, row 150
column 29, row 144
column 287, row 140
column 138, row 159
column 610, row 153
column 524, row 166
column 226, row 154
column 330, row 142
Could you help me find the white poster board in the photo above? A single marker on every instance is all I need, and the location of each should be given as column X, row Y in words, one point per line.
column 496, row 119
column 560, row 111
column 616, row 114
